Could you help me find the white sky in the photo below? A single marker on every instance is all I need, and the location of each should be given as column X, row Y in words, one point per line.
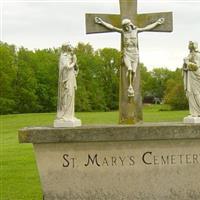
column 45, row 24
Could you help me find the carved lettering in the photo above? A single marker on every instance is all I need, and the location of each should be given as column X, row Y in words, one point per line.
column 148, row 158
column 195, row 159
column 181, row 158
column 105, row 162
column 132, row 160
column 173, row 159
column 66, row 163
column 92, row 161
column 122, row 160
column 144, row 159
column 165, row 160
column 114, row 161
column 188, row 158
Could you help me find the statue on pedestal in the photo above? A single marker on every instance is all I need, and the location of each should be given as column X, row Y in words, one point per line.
column 68, row 70
column 191, row 70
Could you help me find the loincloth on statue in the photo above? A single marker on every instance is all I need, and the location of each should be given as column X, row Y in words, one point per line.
column 131, row 60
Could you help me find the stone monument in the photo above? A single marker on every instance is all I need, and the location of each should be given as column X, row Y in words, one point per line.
column 68, row 70
column 129, row 24
column 131, row 162
column 191, row 69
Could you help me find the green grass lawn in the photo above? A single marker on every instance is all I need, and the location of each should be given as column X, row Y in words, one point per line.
column 19, row 176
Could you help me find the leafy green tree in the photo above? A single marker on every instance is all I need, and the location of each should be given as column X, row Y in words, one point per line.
column 146, row 80
column 98, row 78
column 29, row 80
column 25, row 82
column 154, row 82
column 90, row 94
column 84, row 54
column 175, row 94
column 46, row 74
column 160, row 76
column 7, row 76
column 109, row 76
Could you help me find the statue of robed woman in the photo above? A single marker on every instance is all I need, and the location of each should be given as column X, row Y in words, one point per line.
column 68, row 70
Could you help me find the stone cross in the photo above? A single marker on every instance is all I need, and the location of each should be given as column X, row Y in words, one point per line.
column 130, row 109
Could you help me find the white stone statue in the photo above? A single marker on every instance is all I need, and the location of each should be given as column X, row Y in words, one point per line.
column 130, row 45
column 68, row 70
column 191, row 71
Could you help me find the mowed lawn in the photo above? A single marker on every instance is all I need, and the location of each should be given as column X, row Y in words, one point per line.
column 19, row 179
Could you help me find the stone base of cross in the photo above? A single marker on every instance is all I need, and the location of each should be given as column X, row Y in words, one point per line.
column 130, row 107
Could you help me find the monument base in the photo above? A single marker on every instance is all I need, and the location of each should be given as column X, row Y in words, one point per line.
column 143, row 162
column 191, row 120
column 59, row 123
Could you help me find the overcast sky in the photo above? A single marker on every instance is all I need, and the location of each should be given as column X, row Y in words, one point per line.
column 44, row 24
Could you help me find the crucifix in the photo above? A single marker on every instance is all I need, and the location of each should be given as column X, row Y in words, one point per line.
column 129, row 24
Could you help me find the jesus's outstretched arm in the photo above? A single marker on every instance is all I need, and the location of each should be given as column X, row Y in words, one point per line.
column 152, row 26
column 98, row 20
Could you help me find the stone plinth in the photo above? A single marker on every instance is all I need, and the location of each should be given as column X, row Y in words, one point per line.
column 191, row 120
column 59, row 123
column 141, row 162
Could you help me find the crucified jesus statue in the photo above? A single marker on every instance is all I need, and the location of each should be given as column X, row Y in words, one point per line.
column 130, row 45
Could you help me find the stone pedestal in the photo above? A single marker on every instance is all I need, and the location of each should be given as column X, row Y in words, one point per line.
column 141, row 162
column 191, row 120
column 59, row 123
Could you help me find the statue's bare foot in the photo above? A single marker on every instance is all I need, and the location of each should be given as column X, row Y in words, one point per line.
column 131, row 92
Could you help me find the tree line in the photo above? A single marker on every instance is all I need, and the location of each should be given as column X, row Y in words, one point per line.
column 29, row 79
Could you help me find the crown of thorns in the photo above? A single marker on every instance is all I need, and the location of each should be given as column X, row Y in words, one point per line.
column 126, row 22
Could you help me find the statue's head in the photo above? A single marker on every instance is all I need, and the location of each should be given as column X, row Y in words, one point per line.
column 193, row 46
column 127, row 25
column 66, row 47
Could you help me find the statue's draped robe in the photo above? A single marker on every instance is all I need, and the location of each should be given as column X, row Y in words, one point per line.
column 66, row 87
column 192, row 85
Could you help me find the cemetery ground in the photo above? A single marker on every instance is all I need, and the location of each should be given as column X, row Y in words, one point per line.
column 19, row 176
